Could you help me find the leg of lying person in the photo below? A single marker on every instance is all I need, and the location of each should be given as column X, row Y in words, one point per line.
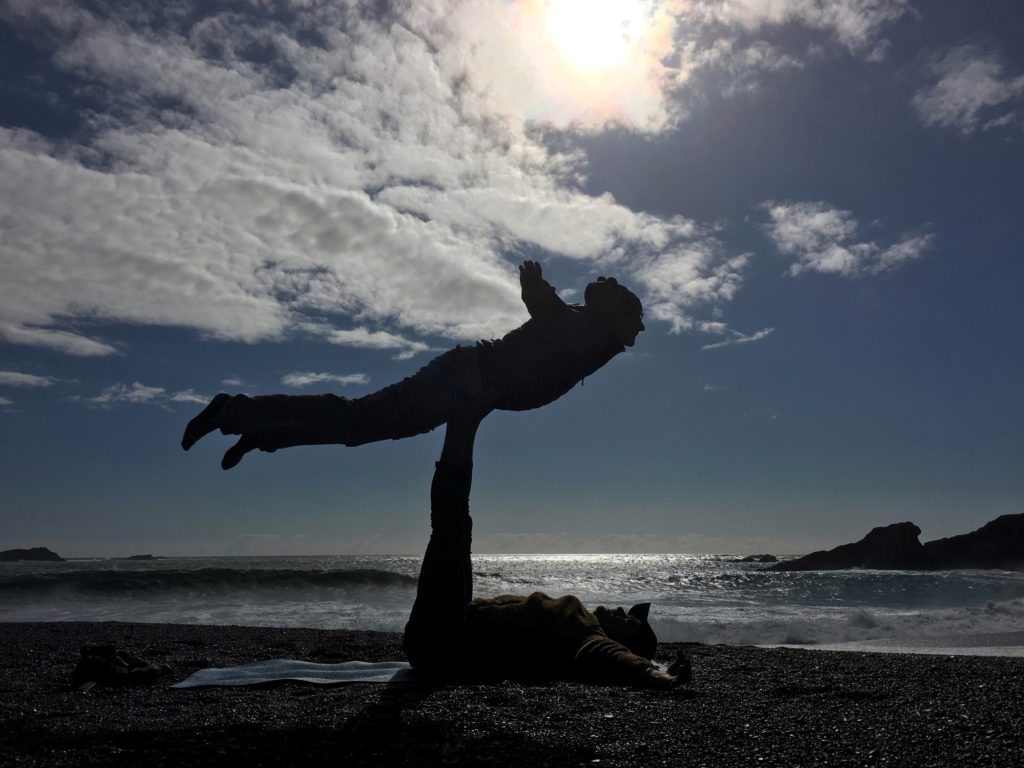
column 434, row 632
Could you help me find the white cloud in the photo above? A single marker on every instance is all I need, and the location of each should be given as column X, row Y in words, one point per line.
column 5, row 401
column 305, row 378
column 233, row 381
column 382, row 178
column 677, row 281
column 17, row 332
column 969, row 85
column 140, row 394
column 855, row 23
column 188, row 396
column 739, row 338
column 124, row 394
column 364, row 338
column 823, row 239
column 16, row 379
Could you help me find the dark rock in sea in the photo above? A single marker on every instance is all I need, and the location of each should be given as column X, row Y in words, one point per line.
column 758, row 559
column 893, row 546
column 997, row 544
column 35, row 553
column 142, row 557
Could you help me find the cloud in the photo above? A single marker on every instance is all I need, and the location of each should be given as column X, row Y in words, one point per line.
column 304, row 379
column 5, row 401
column 233, row 381
column 823, row 239
column 855, row 23
column 15, row 379
column 140, row 394
column 677, row 281
column 17, row 332
column 738, row 338
column 363, row 338
column 188, row 396
column 246, row 177
column 124, row 394
column 969, row 86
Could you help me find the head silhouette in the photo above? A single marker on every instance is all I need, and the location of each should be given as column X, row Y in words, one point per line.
column 629, row 628
column 617, row 306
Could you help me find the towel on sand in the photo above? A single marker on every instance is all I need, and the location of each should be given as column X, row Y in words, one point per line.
column 278, row 670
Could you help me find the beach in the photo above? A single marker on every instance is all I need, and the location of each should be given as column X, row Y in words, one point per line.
column 746, row 706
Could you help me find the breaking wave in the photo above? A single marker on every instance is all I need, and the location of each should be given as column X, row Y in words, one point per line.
column 203, row 581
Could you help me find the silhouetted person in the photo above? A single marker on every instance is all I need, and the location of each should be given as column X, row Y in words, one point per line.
column 449, row 634
column 452, row 635
column 531, row 366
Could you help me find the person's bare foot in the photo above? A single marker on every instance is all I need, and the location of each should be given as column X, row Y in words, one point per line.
column 204, row 423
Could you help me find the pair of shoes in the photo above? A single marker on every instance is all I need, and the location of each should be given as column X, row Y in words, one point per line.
column 204, row 423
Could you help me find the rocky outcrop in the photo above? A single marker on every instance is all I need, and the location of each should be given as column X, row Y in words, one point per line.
column 35, row 553
column 891, row 547
column 998, row 544
column 142, row 557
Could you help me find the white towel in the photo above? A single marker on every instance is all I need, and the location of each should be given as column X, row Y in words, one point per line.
column 274, row 670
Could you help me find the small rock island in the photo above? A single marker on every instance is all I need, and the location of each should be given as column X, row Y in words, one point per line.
column 35, row 553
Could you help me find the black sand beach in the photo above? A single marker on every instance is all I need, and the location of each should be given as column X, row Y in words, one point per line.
column 746, row 706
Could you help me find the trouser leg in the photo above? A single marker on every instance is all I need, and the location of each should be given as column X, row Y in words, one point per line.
column 417, row 404
column 434, row 632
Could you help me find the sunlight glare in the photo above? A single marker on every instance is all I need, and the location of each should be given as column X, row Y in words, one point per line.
column 596, row 34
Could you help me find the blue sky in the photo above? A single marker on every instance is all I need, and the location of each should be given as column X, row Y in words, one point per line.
column 818, row 202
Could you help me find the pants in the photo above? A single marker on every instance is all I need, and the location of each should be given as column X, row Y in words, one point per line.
column 434, row 635
column 413, row 406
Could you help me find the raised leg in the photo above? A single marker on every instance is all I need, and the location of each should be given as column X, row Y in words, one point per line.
column 433, row 634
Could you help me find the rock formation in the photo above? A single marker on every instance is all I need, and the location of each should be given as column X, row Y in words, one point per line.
column 998, row 544
column 893, row 546
column 36, row 553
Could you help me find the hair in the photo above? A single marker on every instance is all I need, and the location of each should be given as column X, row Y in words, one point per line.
column 606, row 294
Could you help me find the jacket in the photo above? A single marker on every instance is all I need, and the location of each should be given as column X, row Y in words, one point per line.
column 542, row 637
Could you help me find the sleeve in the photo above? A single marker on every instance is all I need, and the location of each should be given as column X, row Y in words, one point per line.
column 541, row 299
column 602, row 659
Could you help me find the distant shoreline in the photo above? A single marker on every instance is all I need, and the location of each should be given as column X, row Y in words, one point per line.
column 785, row 706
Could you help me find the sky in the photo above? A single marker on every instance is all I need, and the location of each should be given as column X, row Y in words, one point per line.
column 819, row 204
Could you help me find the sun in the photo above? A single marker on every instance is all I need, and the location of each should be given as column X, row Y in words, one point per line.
column 594, row 35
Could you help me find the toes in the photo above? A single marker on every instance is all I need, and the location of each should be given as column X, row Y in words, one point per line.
column 235, row 453
column 204, row 423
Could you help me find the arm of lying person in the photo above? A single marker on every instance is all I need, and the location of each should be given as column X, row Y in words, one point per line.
column 652, row 677
column 601, row 659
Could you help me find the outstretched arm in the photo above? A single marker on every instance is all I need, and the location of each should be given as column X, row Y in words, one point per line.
column 538, row 294
column 602, row 659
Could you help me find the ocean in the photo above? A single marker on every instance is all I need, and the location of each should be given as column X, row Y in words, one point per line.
column 703, row 598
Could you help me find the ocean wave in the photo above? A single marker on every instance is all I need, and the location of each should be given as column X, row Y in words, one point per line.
column 199, row 581
column 846, row 626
